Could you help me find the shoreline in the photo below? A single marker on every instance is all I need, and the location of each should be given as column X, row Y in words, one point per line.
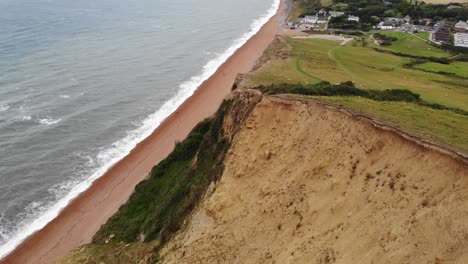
column 82, row 217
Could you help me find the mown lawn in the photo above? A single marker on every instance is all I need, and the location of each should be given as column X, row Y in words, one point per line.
column 441, row 126
column 313, row 60
column 458, row 68
column 424, row 35
column 411, row 45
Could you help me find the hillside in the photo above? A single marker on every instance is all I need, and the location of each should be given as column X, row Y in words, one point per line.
column 304, row 182
column 308, row 183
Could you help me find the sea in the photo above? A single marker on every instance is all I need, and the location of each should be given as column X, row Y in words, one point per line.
column 82, row 82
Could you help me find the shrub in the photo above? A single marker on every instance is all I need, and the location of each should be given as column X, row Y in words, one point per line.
column 348, row 89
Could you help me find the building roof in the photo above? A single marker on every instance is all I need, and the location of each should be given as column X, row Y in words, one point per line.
column 386, row 24
column 461, row 24
column 335, row 13
column 314, row 17
column 461, row 39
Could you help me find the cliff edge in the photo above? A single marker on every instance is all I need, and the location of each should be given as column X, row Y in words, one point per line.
column 307, row 183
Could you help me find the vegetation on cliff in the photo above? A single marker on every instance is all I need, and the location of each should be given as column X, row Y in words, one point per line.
column 161, row 204
column 349, row 89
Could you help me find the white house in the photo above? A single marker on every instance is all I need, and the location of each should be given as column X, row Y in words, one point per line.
column 386, row 25
column 310, row 19
column 461, row 27
column 322, row 20
column 353, row 18
column 322, row 12
column 335, row 13
column 461, row 40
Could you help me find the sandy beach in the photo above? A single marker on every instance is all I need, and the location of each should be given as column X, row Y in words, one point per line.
column 82, row 218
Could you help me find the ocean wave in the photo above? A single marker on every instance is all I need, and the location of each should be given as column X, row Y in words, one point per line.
column 4, row 107
column 106, row 158
column 25, row 118
column 48, row 121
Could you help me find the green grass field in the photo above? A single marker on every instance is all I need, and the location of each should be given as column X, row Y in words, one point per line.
column 458, row 68
column 313, row 60
column 424, row 35
column 411, row 45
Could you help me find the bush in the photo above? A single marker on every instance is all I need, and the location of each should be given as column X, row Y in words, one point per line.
column 348, row 89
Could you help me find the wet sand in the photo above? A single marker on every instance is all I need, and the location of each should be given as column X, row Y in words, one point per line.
column 82, row 218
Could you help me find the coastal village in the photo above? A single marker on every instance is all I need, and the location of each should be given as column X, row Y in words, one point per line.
column 440, row 32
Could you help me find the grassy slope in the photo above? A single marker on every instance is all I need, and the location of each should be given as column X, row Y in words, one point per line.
column 411, row 45
column 314, row 60
column 424, row 35
column 458, row 68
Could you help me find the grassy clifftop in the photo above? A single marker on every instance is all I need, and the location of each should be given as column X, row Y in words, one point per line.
column 407, row 64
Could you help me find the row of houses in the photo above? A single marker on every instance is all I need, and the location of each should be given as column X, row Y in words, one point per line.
column 393, row 22
column 442, row 33
column 322, row 17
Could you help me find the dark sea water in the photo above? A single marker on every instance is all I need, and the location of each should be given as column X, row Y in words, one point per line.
column 82, row 82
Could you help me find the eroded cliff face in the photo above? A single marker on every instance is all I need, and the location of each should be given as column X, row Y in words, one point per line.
column 307, row 183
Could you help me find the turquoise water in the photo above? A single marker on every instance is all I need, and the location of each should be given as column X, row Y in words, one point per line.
column 82, row 82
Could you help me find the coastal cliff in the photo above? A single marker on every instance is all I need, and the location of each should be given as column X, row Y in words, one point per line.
column 271, row 179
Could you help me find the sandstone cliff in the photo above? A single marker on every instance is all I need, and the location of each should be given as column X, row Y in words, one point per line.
column 308, row 183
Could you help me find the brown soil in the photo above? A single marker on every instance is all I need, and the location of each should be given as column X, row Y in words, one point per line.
column 306, row 183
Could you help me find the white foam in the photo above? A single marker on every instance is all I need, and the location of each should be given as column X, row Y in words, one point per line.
column 66, row 96
column 4, row 107
column 48, row 121
column 25, row 118
column 121, row 148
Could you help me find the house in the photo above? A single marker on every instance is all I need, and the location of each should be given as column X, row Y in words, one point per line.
column 407, row 19
column 407, row 28
column 291, row 25
column 310, row 19
column 424, row 21
column 394, row 20
column 442, row 32
column 335, row 13
column 322, row 12
column 461, row 40
column 322, row 20
column 453, row 7
column 461, row 27
column 353, row 18
column 386, row 25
